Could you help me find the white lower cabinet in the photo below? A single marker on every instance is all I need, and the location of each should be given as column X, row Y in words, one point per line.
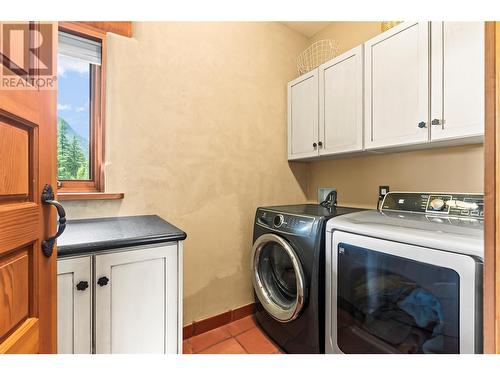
column 74, row 305
column 137, row 301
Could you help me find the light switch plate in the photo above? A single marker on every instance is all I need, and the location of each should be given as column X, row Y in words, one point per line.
column 323, row 192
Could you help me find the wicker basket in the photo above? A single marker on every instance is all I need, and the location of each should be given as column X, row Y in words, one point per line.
column 316, row 54
column 386, row 25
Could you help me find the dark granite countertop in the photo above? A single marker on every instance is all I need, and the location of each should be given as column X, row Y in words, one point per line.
column 91, row 235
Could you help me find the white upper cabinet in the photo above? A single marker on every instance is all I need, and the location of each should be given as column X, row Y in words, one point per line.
column 303, row 116
column 341, row 104
column 397, row 86
column 417, row 85
column 457, row 85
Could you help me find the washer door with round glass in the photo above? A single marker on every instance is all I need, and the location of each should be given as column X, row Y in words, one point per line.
column 277, row 277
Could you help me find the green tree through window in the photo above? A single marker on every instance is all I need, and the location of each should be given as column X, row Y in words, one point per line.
column 72, row 163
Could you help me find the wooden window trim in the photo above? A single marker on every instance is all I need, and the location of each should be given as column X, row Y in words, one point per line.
column 97, row 115
column 123, row 28
column 75, row 196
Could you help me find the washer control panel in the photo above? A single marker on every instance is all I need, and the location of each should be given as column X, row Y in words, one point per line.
column 446, row 204
column 288, row 223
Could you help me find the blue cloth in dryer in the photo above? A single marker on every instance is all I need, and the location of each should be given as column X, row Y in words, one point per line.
column 426, row 309
column 434, row 345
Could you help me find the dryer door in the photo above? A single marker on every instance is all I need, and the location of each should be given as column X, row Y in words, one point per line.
column 278, row 278
column 389, row 297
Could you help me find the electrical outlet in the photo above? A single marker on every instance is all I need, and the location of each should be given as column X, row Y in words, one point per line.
column 383, row 190
column 323, row 192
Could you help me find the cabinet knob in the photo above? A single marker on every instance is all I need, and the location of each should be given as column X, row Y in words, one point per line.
column 82, row 285
column 103, row 281
column 422, row 125
column 314, row 144
column 436, row 121
column 320, row 144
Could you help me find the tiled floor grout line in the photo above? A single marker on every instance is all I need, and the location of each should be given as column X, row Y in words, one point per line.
column 274, row 344
column 197, row 352
column 208, row 347
column 240, row 344
column 231, row 336
column 220, row 342
column 239, row 333
column 234, row 337
column 238, row 341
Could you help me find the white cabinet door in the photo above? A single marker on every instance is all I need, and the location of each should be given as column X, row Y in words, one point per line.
column 74, row 306
column 341, row 103
column 397, row 86
column 136, row 301
column 303, row 116
column 457, row 58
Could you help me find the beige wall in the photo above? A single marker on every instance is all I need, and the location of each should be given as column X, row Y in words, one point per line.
column 196, row 132
column 357, row 179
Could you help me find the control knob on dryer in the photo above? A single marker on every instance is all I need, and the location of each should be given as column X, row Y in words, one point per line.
column 437, row 204
column 278, row 220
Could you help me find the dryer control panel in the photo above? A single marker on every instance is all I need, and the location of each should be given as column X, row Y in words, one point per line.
column 446, row 204
column 287, row 223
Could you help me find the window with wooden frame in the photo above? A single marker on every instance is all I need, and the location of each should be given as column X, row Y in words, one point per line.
column 80, row 108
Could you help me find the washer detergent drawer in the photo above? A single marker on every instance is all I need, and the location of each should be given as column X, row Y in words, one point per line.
column 388, row 297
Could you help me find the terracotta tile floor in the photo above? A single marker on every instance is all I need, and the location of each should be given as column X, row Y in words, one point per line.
column 239, row 337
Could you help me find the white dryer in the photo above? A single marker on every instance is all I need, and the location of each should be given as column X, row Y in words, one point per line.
column 407, row 278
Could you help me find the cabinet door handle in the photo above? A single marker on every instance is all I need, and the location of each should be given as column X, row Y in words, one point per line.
column 422, row 125
column 314, row 144
column 102, row 281
column 82, row 285
column 436, row 121
column 320, row 144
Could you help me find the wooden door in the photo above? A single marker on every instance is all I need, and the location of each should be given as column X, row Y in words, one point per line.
column 457, row 83
column 74, row 305
column 491, row 299
column 397, row 86
column 27, row 163
column 136, row 301
column 341, row 103
column 303, row 116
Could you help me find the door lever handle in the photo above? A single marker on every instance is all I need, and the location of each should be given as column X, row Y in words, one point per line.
column 48, row 197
